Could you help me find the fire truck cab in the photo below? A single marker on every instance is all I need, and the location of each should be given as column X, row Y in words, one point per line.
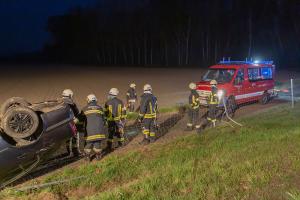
column 239, row 82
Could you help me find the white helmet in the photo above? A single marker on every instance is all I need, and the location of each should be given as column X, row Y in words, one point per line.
column 91, row 98
column 114, row 92
column 67, row 93
column 213, row 82
column 147, row 87
column 132, row 85
column 192, row 86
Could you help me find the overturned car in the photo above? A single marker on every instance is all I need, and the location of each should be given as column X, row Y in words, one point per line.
column 30, row 134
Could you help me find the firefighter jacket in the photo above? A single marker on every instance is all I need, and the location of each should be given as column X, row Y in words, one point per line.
column 213, row 97
column 72, row 105
column 115, row 110
column 131, row 94
column 94, row 122
column 194, row 100
column 148, row 107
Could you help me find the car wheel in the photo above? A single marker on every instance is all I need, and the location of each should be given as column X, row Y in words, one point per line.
column 20, row 122
column 231, row 106
column 265, row 98
column 14, row 101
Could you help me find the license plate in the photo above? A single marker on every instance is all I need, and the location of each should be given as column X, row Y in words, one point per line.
column 203, row 102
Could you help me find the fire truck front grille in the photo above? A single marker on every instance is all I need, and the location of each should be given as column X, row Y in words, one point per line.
column 203, row 96
column 203, row 93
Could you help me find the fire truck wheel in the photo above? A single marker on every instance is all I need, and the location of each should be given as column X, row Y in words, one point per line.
column 265, row 98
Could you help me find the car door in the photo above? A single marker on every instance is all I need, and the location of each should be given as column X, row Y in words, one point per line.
column 238, row 85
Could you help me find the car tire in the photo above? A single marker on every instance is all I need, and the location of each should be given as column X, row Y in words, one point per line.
column 14, row 101
column 265, row 98
column 20, row 122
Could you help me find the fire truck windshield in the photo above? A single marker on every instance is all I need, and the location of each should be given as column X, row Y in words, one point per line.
column 220, row 75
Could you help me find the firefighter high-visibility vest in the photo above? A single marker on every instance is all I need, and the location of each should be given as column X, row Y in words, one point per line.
column 213, row 97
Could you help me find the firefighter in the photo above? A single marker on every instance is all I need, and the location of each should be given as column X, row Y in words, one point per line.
column 147, row 115
column 131, row 97
column 67, row 97
column 194, row 109
column 213, row 102
column 115, row 112
column 95, row 128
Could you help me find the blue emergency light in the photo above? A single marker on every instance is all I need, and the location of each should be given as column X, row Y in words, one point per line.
column 246, row 62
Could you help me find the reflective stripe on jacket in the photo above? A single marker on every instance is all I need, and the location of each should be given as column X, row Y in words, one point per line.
column 213, row 97
column 148, row 107
column 115, row 110
column 94, row 122
column 194, row 99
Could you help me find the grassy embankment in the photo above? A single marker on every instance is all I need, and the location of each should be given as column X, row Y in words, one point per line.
column 260, row 160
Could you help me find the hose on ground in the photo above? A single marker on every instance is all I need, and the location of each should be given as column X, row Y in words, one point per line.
column 23, row 189
column 227, row 115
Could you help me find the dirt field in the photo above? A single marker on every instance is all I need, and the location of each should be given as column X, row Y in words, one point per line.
column 41, row 83
column 169, row 85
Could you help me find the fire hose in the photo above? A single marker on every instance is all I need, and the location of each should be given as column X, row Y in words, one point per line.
column 227, row 115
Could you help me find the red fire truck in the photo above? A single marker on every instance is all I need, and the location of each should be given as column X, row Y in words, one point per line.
column 239, row 82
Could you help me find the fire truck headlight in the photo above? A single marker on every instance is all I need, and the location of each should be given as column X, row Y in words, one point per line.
column 220, row 94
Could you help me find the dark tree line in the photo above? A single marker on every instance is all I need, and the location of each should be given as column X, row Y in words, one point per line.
column 176, row 32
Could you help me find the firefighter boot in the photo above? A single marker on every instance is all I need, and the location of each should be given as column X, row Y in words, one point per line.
column 145, row 141
column 152, row 139
column 120, row 144
column 88, row 157
column 98, row 156
column 189, row 127
column 109, row 146
column 88, row 154
column 199, row 130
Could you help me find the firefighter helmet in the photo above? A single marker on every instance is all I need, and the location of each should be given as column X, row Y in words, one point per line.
column 67, row 93
column 91, row 98
column 147, row 87
column 114, row 92
column 132, row 85
column 192, row 86
column 213, row 82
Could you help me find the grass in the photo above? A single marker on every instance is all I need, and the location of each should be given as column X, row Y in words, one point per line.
column 260, row 160
column 134, row 115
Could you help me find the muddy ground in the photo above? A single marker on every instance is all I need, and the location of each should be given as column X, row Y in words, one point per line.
column 39, row 83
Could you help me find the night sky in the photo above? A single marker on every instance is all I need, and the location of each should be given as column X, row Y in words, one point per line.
column 23, row 22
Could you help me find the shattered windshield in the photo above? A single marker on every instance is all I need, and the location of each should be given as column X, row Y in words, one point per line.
column 220, row 75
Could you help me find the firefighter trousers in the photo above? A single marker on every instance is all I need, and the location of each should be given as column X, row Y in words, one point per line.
column 211, row 116
column 149, row 128
column 193, row 115
column 95, row 146
column 115, row 129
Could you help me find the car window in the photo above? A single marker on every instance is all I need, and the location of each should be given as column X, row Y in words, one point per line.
column 253, row 74
column 266, row 73
column 220, row 75
column 239, row 77
column 240, row 74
